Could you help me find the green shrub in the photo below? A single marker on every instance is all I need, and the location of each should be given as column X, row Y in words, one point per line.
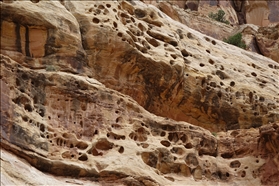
column 236, row 40
column 214, row 134
column 50, row 68
column 219, row 16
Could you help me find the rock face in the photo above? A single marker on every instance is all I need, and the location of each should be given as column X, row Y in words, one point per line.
column 29, row 33
column 268, row 41
column 262, row 40
column 70, row 125
column 201, row 89
column 199, row 20
column 261, row 13
column 205, row 90
column 82, row 95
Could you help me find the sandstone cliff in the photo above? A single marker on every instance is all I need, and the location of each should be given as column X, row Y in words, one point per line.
column 259, row 13
column 109, row 92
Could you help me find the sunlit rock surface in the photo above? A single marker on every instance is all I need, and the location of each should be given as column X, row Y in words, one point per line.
column 109, row 92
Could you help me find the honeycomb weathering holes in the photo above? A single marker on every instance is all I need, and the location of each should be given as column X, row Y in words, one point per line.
column 133, row 20
column 211, row 61
column 253, row 74
column 165, row 143
column 141, row 27
column 119, row 34
column 96, row 153
column 25, row 118
column 173, row 56
column 121, row 150
column 140, row 13
column 119, row 119
column 207, row 39
column 28, row 107
column 95, row 20
column 101, row 7
column 235, row 164
column 124, row 15
column 173, row 137
column 191, row 159
column 163, row 133
column 227, row 155
column 188, row 146
column 81, row 145
column 221, row 74
column 177, row 150
column 83, row 157
column 184, row 53
column 114, row 24
column 243, row 174
column 104, row 144
column 149, row 158
column 42, row 127
column 153, row 42
column 190, row 36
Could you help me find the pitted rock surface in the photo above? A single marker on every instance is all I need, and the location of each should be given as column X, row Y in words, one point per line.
column 261, row 13
column 70, row 125
column 268, row 41
column 83, row 94
column 243, row 13
column 171, row 71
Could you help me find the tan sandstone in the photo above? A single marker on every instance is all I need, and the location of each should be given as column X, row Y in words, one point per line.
column 257, row 13
column 74, row 126
column 117, row 92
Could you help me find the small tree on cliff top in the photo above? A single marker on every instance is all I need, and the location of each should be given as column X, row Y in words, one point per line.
column 236, row 40
column 219, row 16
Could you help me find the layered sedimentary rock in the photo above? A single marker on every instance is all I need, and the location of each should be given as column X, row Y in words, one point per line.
column 166, row 67
column 199, row 20
column 37, row 39
column 185, row 84
column 74, row 126
column 262, row 40
column 268, row 41
column 259, row 13
column 72, row 86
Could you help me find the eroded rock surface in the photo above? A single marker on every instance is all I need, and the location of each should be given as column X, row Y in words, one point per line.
column 185, row 84
column 37, row 39
column 70, row 125
column 261, row 13
column 194, row 78
column 245, row 13
column 268, row 41
column 72, row 86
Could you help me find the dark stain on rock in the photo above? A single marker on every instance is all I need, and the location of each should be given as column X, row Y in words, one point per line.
column 22, row 138
column 18, row 37
column 49, row 49
column 27, row 51
column 230, row 116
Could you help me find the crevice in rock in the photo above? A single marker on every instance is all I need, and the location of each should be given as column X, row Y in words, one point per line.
column 239, row 7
